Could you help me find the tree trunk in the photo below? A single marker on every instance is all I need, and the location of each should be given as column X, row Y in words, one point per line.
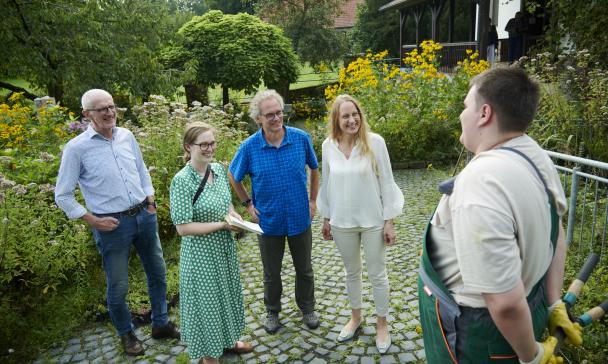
column 55, row 89
column 282, row 87
column 196, row 92
column 225, row 96
column 14, row 88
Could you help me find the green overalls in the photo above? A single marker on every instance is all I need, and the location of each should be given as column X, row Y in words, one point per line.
column 458, row 334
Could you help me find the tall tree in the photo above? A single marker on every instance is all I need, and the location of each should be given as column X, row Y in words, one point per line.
column 237, row 51
column 231, row 6
column 310, row 26
column 570, row 23
column 375, row 30
column 67, row 46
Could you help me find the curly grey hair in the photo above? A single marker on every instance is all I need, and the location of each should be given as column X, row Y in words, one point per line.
column 254, row 106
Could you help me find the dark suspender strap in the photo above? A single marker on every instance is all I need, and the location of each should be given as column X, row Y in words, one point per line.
column 202, row 185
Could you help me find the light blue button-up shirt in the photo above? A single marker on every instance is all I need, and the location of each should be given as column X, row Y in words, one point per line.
column 111, row 174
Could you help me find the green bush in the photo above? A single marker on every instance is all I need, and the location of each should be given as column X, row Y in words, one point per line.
column 50, row 270
column 416, row 111
column 574, row 106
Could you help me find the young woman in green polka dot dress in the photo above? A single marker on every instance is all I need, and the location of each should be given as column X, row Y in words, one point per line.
column 211, row 295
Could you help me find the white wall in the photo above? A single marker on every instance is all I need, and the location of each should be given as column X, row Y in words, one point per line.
column 506, row 10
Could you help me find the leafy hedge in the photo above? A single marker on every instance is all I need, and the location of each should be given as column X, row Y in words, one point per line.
column 416, row 110
column 46, row 258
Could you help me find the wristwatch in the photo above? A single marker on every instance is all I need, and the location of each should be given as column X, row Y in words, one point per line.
column 246, row 202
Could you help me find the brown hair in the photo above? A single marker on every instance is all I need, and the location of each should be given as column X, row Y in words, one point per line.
column 191, row 132
column 511, row 93
column 362, row 137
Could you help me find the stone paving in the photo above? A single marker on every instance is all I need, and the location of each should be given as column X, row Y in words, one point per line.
column 294, row 342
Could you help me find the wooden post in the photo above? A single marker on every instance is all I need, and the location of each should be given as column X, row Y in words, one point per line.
column 402, row 17
column 483, row 26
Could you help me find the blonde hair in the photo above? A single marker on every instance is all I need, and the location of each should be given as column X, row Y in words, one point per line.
column 191, row 132
column 362, row 137
column 254, row 106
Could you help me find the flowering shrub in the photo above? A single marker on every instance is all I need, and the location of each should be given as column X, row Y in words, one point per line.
column 42, row 253
column 159, row 129
column 309, row 108
column 415, row 109
column 574, row 106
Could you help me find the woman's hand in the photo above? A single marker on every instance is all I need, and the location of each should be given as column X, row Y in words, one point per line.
column 229, row 227
column 235, row 215
column 389, row 233
column 326, row 230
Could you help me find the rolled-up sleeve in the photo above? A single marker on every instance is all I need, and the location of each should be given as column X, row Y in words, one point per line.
column 67, row 179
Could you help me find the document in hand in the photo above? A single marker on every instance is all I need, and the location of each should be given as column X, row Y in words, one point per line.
column 246, row 225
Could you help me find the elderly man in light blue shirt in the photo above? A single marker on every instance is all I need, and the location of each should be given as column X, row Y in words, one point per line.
column 106, row 162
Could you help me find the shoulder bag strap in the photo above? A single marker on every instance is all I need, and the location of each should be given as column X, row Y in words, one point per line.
column 201, row 187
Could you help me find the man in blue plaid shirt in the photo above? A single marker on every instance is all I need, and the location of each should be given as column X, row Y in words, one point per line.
column 275, row 158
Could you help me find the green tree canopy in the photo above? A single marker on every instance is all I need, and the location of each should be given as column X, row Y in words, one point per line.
column 376, row 31
column 68, row 46
column 237, row 51
column 310, row 26
column 572, row 21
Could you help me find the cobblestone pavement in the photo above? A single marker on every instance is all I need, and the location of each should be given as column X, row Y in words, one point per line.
column 294, row 342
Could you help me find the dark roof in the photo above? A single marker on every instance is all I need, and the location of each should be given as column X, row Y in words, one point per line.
column 398, row 4
column 348, row 15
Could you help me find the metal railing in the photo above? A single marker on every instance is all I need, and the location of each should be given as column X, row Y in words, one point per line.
column 587, row 192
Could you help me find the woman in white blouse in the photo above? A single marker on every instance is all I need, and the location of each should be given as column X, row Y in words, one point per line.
column 358, row 201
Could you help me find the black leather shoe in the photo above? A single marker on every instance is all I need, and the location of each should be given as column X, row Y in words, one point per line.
column 131, row 344
column 168, row 331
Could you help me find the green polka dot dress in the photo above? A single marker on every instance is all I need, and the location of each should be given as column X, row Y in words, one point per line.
column 210, row 291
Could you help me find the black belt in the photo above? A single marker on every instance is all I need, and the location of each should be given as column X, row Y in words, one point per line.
column 131, row 211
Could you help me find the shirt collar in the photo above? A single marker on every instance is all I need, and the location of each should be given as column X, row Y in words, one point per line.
column 91, row 133
column 286, row 139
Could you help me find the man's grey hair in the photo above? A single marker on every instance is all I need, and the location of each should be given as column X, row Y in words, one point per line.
column 254, row 106
column 87, row 98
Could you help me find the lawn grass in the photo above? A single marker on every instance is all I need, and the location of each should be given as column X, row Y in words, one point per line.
column 20, row 83
column 308, row 77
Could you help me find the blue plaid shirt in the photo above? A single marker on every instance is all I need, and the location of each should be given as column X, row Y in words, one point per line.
column 278, row 179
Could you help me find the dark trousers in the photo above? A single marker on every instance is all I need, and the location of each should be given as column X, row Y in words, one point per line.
column 515, row 48
column 272, row 249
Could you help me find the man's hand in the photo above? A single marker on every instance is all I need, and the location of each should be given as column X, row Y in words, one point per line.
column 101, row 223
column 326, row 230
column 558, row 317
column 253, row 212
column 313, row 208
column 389, row 233
column 545, row 353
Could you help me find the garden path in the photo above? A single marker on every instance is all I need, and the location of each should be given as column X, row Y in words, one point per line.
column 294, row 342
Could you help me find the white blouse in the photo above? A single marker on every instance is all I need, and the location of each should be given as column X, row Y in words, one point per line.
column 351, row 194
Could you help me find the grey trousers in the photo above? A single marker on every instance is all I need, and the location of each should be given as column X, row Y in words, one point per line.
column 272, row 249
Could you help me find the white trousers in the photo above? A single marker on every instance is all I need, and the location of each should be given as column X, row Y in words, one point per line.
column 349, row 242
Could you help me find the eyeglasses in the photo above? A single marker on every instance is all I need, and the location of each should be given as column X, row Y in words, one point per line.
column 273, row 115
column 104, row 110
column 206, row 146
